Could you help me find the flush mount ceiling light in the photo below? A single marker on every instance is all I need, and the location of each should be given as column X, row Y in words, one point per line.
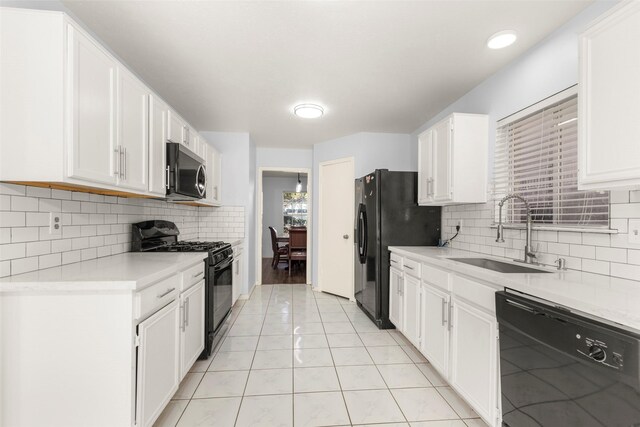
column 502, row 39
column 308, row 111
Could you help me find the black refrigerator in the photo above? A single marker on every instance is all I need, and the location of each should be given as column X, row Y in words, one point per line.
column 387, row 214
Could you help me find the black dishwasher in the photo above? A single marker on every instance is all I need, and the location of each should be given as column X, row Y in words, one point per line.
column 559, row 368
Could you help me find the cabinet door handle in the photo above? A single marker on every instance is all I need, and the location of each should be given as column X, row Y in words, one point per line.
column 444, row 302
column 124, row 161
column 409, row 267
column 166, row 293
column 168, row 177
column 450, row 316
column 186, row 312
column 182, row 317
column 116, row 163
column 197, row 274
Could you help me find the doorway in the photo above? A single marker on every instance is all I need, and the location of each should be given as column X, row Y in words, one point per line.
column 335, row 227
column 284, row 226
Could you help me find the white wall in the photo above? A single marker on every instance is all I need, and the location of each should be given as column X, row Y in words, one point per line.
column 237, row 153
column 370, row 151
column 284, row 157
column 272, row 188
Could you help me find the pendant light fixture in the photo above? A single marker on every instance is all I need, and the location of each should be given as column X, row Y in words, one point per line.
column 299, row 185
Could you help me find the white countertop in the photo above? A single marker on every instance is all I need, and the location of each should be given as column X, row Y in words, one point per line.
column 611, row 298
column 127, row 271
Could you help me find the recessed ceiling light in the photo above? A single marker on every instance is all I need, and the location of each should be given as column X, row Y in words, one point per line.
column 308, row 111
column 502, row 39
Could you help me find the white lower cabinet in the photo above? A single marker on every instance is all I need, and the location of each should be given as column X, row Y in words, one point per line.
column 238, row 273
column 451, row 320
column 395, row 297
column 474, row 357
column 158, row 374
column 411, row 309
column 191, row 326
column 435, row 328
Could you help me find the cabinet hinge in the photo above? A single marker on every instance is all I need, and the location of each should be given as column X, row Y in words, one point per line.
column 137, row 341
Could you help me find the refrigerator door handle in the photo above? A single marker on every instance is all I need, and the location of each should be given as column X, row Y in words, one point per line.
column 365, row 235
column 361, row 233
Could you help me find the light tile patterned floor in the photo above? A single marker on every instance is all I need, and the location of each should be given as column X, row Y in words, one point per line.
column 295, row 357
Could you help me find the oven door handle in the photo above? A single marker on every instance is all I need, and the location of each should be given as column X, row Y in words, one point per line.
column 224, row 265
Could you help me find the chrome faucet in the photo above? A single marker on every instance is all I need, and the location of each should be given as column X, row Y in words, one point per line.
column 529, row 255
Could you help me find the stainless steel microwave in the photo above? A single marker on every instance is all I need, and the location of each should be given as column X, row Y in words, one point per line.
column 186, row 174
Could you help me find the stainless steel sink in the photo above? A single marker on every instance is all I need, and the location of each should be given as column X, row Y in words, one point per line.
column 501, row 267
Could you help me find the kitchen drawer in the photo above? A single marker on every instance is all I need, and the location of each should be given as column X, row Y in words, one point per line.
column 411, row 267
column 436, row 277
column 476, row 293
column 191, row 276
column 396, row 261
column 156, row 296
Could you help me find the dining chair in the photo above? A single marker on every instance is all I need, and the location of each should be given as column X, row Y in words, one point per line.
column 278, row 251
column 297, row 245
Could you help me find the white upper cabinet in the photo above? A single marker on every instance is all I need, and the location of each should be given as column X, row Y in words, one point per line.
column 74, row 117
column 214, row 176
column 133, row 128
column 93, row 152
column 608, row 107
column 158, row 113
column 452, row 157
column 175, row 128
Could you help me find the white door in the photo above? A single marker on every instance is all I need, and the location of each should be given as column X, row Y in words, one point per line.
column 425, row 167
column 435, row 328
column 192, row 331
column 335, row 223
column 395, row 298
column 157, row 149
column 474, row 357
column 133, row 128
column 441, row 189
column 93, row 155
column 411, row 309
column 158, row 373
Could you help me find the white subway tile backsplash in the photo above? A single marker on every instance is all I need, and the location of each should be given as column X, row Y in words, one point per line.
column 611, row 254
column 91, row 225
column 38, row 192
column 24, row 265
column 601, row 253
column 38, row 248
column 5, row 202
column 24, row 204
column 626, row 271
column 48, row 261
column 12, row 189
column 24, row 234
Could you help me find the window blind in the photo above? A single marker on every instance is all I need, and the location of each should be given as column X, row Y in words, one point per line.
column 536, row 156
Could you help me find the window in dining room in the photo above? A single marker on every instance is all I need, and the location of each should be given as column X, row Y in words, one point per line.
column 294, row 208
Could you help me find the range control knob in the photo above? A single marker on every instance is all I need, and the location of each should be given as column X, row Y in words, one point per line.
column 597, row 353
column 617, row 359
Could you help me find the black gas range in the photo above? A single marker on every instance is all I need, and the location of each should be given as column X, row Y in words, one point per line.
column 162, row 236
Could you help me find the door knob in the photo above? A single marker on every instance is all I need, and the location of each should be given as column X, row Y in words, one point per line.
column 346, row 236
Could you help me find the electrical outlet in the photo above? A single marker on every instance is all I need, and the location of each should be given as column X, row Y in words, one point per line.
column 55, row 223
column 634, row 231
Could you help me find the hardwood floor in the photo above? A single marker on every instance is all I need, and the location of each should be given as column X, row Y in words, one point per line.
column 280, row 275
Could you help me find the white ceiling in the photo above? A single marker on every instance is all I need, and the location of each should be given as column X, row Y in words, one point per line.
column 377, row 66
